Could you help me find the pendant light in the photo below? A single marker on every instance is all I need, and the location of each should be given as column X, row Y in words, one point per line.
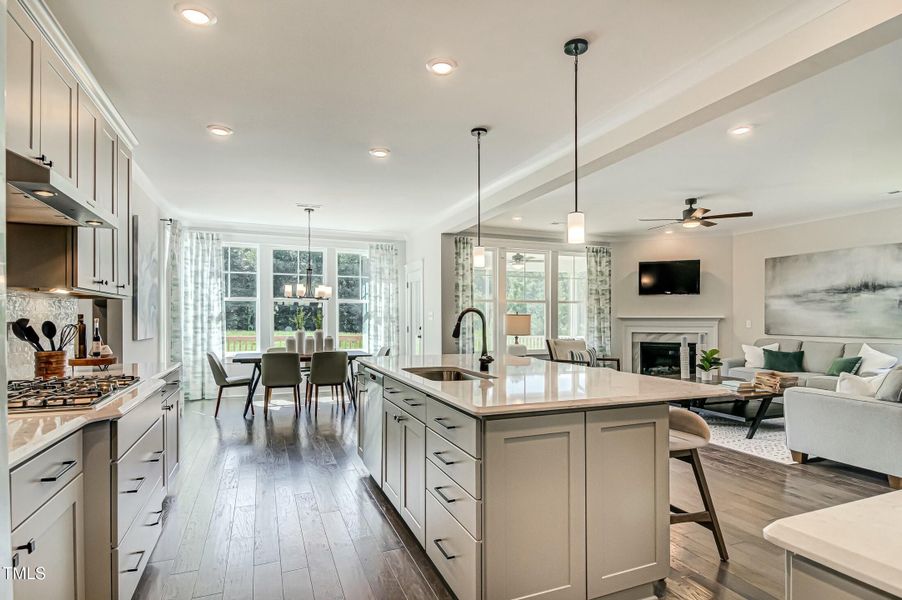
column 576, row 220
column 306, row 291
column 479, row 249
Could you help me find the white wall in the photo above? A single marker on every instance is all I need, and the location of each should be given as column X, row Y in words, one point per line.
column 750, row 250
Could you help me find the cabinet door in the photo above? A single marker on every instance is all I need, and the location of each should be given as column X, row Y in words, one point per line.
column 393, row 441
column 87, row 135
column 59, row 98
column 413, row 485
column 123, row 235
column 628, row 515
column 534, row 527
column 55, row 535
column 23, row 82
column 372, row 430
column 173, row 416
column 104, row 240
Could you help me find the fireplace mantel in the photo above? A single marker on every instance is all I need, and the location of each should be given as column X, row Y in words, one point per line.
column 633, row 326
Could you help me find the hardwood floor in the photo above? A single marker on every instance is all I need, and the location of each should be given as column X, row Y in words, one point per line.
column 282, row 508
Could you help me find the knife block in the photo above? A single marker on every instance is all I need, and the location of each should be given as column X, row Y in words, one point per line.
column 49, row 364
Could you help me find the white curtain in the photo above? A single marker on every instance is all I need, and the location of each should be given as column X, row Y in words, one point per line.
column 174, row 291
column 384, row 297
column 463, row 290
column 202, row 322
column 598, row 313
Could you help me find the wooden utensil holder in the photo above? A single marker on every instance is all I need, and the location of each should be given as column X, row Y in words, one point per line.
column 49, row 364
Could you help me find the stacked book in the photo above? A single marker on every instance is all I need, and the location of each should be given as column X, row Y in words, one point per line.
column 740, row 387
column 774, row 381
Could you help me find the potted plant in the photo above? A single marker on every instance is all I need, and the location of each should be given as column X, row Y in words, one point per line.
column 708, row 363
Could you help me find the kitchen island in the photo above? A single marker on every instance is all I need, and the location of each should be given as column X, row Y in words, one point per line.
column 536, row 479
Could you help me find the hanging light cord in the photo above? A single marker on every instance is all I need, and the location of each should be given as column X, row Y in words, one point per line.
column 575, row 136
column 478, row 188
column 309, row 260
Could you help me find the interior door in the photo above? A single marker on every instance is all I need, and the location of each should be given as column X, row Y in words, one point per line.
column 414, row 275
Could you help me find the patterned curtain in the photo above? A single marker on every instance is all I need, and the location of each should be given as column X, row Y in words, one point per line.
column 202, row 311
column 463, row 290
column 174, row 291
column 598, row 318
column 384, row 297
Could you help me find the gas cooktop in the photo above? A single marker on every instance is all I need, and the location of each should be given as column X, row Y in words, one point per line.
column 64, row 393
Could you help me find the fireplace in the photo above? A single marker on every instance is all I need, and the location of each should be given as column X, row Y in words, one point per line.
column 663, row 358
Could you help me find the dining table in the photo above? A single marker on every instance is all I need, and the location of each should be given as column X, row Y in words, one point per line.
column 256, row 358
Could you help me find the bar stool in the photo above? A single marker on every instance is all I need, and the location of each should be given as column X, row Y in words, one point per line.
column 688, row 433
column 280, row 370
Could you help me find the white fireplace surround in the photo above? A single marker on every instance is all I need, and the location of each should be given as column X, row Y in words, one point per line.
column 635, row 329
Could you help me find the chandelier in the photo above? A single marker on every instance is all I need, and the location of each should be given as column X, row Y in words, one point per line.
column 305, row 290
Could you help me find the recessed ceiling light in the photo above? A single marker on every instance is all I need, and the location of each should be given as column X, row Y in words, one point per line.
column 195, row 14
column 741, row 130
column 44, row 194
column 668, row 231
column 441, row 66
column 518, row 218
column 220, row 130
column 93, row 223
column 380, row 152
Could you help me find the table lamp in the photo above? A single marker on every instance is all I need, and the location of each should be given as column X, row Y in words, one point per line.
column 516, row 325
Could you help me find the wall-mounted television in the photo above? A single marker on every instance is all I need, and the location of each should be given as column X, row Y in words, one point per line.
column 670, row 277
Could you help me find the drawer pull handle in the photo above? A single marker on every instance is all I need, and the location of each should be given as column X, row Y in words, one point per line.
column 438, row 544
column 158, row 456
column 159, row 514
column 438, row 490
column 68, row 465
column 167, row 407
column 441, row 421
column 137, row 566
column 399, row 419
column 438, row 455
column 30, row 547
column 410, row 402
column 140, row 481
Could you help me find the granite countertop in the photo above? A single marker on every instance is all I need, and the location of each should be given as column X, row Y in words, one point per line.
column 524, row 385
column 859, row 539
column 32, row 432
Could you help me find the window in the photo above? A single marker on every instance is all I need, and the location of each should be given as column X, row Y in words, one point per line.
column 289, row 267
column 353, row 270
column 239, row 267
column 525, row 294
column 484, row 299
column 571, row 296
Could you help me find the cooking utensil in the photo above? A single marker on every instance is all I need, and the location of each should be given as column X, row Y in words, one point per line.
column 48, row 328
column 67, row 335
column 19, row 332
column 23, row 323
column 32, row 336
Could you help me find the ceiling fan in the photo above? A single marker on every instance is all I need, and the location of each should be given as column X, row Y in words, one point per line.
column 519, row 260
column 697, row 216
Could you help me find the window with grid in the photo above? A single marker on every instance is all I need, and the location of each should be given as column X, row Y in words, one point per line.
column 289, row 267
column 571, row 296
column 239, row 269
column 353, row 269
column 484, row 298
column 525, row 294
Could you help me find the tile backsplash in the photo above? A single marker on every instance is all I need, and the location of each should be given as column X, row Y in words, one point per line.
column 37, row 308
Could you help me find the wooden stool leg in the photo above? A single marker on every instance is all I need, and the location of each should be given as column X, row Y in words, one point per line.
column 267, row 392
column 297, row 398
column 709, row 503
column 218, row 400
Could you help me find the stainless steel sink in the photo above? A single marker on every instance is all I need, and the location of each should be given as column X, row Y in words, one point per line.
column 447, row 374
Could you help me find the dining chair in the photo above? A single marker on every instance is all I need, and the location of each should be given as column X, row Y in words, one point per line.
column 277, row 349
column 327, row 369
column 383, row 351
column 560, row 349
column 280, row 370
column 223, row 380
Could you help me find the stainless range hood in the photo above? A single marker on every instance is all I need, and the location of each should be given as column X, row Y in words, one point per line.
column 37, row 194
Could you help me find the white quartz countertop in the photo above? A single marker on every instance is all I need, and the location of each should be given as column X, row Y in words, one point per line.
column 32, row 432
column 861, row 539
column 524, row 385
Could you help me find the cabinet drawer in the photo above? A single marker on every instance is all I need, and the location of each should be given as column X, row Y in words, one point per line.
column 129, row 429
column 411, row 400
column 456, row 555
column 462, row 506
column 465, row 470
column 131, row 557
column 37, row 480
column 453, row 425
column 134, row 478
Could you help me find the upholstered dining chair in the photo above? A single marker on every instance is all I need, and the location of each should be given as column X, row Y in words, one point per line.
column 277, row 349
column 280, row 370
column 688, row 433
column 559, row 350
column 383, row 351
column 223, row 380
column 327, row 369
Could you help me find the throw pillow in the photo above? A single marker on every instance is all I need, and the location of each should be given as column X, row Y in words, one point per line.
column 754, row 355
column 891, row 388
column 588, row 357
column 875, row 362
column 859, row 386
column 787, row 362
column 844, row 365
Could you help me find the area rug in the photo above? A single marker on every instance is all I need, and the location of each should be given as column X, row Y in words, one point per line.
column 769, row 442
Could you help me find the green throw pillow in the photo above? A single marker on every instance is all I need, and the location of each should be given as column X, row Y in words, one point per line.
column 788, row 362
column 844, row 365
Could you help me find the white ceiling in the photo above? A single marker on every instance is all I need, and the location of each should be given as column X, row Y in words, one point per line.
column 829, row 145
column 310, row 86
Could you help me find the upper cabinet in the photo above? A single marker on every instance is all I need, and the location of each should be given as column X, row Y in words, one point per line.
column 123, row 235
column 23, row 81
column 59, row 100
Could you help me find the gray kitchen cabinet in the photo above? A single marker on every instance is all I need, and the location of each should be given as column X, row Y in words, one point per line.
column 369, row 422
column 393, row 453
column 23, row 82
column 122, row 247
column 413, row 486
column 104, row 247
column 59, row 99
column 49, row 548
column 172, row 424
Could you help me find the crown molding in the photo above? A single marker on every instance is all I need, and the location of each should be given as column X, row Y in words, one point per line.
column 60, row 41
